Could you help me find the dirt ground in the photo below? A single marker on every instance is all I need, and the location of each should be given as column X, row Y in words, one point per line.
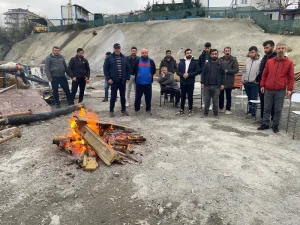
column 193, row 171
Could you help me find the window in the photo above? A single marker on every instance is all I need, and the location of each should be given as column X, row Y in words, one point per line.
column 244, row 2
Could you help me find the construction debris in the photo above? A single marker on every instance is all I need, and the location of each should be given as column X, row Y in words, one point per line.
column 92, row 137
column 9, row 134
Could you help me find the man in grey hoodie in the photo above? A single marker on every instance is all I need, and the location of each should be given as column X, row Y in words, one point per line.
column 56, row 68
column 250, row 72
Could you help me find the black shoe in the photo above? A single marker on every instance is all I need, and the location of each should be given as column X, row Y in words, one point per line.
column 112, row 114
column 105, row 100
column 275, row 129
column 263, row 127
column 125, row 113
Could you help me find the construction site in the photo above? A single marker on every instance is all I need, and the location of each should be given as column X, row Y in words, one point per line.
column 76, row 165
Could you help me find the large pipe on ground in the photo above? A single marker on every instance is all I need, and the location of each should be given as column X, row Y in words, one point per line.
column 18, row 120
column 11, row 67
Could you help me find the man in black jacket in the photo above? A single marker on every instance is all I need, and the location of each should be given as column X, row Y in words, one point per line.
column 212, row 80
column 269, row 54
column 79, row 70
column 205, row 56
column 132, row 59
column 187, row 70
column 117, row 73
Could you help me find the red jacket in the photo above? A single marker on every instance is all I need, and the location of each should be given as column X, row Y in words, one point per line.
column 278, row 75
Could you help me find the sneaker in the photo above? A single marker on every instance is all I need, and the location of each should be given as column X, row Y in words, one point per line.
column 221, row 111
column 190, row 113
column 149, row 113
column 105, row 100
column 263, row 127
column 112, row 114
column 127, row 104
column 142, row 105
column 228, row 112
column 125, row 113
column 180, row 113
column 275, row 129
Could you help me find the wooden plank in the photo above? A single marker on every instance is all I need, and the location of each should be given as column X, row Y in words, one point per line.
column 8, row 134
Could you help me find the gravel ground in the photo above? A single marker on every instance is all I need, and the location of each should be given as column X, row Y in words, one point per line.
column 193, row 171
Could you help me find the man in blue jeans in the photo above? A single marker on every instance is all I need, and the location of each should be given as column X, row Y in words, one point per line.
column 250, row 72
column 56, row 70
column 117, row 73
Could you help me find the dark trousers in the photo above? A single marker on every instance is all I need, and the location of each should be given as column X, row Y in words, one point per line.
column 228, row 99
column 173, row 92
column 81, row 83
column 276, row 99
column 211, row 92
column 252, row 93
column 262, row 105
column 115, row 86
column 62, row 81
column 106, row 87
column 140, row 90
column 189, row 90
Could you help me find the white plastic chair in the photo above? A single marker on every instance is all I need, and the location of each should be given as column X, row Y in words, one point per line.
column 295, row 98
column 240, row 99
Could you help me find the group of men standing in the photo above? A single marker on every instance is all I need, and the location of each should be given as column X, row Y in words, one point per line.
column 272, row 78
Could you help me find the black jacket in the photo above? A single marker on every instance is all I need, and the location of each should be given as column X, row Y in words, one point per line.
column 201, row 60
column 79, row 67
column 135, row 69
column 262, row 66
column 171, row 65
column 168, row 81
column 232, row 67
column 111, row 68
column 132, row 62
column 193, row 71
column 206, row 73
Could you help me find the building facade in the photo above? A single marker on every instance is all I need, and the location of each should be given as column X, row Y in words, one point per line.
column 72, row 14
column 18, row 17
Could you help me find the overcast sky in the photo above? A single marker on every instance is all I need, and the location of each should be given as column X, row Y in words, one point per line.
column 51, row 8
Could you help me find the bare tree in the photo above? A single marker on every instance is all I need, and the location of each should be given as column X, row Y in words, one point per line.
column 282, row 5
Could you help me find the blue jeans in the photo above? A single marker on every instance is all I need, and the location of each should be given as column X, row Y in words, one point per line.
column 252, row 93
column 106, row 87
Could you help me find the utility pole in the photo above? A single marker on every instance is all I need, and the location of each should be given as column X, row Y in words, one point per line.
column 152, row 10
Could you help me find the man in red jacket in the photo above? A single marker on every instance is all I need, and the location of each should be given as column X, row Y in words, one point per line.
column 277, row 81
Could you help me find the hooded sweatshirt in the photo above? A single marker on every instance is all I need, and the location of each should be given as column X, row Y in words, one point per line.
column 278, row 75
column 251, row 70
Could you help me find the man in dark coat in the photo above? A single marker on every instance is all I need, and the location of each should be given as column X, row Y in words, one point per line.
column 231, row 67
column 79, row 70
column 117, row 73
column 56, row 69
column 212, row 80
column 144, row 70
column 169, row 85
column 269, row 54
column 132, row 59
column 187, row 70
column 205, row 56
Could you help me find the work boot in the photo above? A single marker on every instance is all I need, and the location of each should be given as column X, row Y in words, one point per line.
column 112, row 114
column 105, row 100
column 125, row 113
column 275, row 129
column 263, row 127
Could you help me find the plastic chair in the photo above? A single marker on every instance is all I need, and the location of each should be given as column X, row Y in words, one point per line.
column 240, row 99
column 256, row 106
column 295, row 98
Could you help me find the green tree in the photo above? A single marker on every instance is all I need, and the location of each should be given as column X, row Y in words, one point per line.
column 148, row 7
column 197, row 4
column 172, row 6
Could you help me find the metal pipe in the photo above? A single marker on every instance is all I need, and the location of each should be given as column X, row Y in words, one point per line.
column 11, row 67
